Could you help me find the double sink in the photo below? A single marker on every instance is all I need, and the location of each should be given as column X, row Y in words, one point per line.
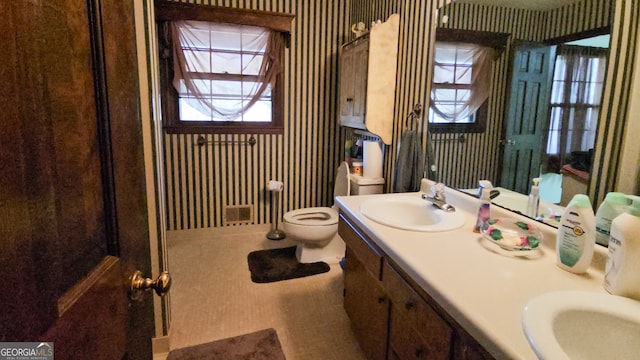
column 557, row 324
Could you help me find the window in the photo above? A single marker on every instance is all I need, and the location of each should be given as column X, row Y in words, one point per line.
column 461, row 81
column 456, row 94
column 576, row 95
column 221, row 72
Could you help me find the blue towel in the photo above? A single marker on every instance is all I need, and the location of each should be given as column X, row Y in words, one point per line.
column 410, row 164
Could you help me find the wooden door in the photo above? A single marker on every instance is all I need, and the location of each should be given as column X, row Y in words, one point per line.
column 527, row 115
column 73, row 216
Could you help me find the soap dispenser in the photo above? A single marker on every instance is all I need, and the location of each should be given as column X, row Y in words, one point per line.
column 622, row 271
column 533, row 203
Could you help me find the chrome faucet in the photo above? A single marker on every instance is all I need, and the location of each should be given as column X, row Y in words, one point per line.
column 438, row 199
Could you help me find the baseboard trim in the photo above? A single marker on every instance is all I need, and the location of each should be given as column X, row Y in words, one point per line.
column 160, row 346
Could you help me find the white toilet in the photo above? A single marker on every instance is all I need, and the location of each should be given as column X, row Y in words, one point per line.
column 315, row 230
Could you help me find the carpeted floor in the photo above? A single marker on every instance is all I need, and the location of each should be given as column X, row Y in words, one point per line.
column 213, row 297
column 260, row 345
column 281, row 264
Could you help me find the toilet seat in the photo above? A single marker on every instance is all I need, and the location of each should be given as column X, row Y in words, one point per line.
column 315, row 216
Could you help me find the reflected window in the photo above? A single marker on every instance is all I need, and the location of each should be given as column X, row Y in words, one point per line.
column 576, row 94
column 460, row 89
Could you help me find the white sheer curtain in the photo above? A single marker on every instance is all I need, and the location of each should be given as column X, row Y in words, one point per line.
column 575, row 99
column 222, row 70
column 461, row 80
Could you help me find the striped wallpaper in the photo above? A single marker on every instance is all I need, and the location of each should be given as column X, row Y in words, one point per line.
column 201, row 180
column 463, row 164
column 623, row 17
column 614, row 116
column 415, row 48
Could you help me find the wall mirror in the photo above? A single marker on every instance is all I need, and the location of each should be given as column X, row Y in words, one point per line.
column 543, row 107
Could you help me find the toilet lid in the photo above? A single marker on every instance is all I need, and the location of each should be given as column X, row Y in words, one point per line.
column 315, row 216
column 342, row 184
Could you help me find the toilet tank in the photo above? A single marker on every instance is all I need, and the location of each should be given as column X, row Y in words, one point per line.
column 365, row 186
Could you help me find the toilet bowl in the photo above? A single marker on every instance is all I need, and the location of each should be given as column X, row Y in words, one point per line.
column 315, row 230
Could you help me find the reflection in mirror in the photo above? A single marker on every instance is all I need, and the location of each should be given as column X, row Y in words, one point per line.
column 543, row 107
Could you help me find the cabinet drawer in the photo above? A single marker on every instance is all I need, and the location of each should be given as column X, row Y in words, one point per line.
column 409, row 305
column 367, row 254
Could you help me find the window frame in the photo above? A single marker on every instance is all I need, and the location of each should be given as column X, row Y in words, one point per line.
column 171, row 11
column 497, row 41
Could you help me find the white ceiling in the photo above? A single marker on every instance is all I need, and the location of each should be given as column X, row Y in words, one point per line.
column 523, row 4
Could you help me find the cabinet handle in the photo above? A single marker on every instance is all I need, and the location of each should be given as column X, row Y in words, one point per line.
column 349, row 99
column 409, row 305
column 381, row 299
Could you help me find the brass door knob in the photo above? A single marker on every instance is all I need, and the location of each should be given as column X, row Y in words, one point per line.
column 139, row 283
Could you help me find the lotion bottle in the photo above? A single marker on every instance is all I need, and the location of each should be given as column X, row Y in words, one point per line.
column 533, row 202
column 613, row 205
column 576, row 235
column 622, row 271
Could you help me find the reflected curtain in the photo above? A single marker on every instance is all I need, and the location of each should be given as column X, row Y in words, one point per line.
column 461, row 80
column 222, row 69
column 576, row 96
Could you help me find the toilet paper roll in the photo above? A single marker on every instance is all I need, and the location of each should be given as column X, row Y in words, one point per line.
column 372, row 158
column 275, row 185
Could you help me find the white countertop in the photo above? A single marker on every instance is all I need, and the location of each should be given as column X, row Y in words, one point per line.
column 484, row 290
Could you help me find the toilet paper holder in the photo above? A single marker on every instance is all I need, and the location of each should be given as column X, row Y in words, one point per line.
column 275, row 187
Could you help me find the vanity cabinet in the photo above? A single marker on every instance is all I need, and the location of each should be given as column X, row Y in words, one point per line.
column 391, row 316
column 365, row 300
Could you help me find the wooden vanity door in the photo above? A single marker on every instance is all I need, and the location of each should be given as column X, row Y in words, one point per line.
column 367, row 306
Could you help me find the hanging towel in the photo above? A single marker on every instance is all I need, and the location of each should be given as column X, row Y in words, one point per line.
column 410, row 164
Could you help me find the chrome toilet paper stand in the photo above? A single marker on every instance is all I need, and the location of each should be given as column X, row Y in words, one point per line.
column 275, row 233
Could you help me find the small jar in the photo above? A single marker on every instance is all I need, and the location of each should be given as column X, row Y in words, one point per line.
column 357, row 167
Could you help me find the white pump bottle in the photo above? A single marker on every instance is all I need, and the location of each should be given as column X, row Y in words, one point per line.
column 533, row 202
column 622, row 272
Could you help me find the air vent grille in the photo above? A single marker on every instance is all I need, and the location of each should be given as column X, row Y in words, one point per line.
column 238, row 214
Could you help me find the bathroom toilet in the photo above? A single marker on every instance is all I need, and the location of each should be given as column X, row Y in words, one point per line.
column 315, row 230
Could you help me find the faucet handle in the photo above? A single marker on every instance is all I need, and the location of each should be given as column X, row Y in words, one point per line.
column 438, row 191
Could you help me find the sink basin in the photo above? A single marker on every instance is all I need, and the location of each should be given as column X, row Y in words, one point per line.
column 583, row 325
column 410, row 213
